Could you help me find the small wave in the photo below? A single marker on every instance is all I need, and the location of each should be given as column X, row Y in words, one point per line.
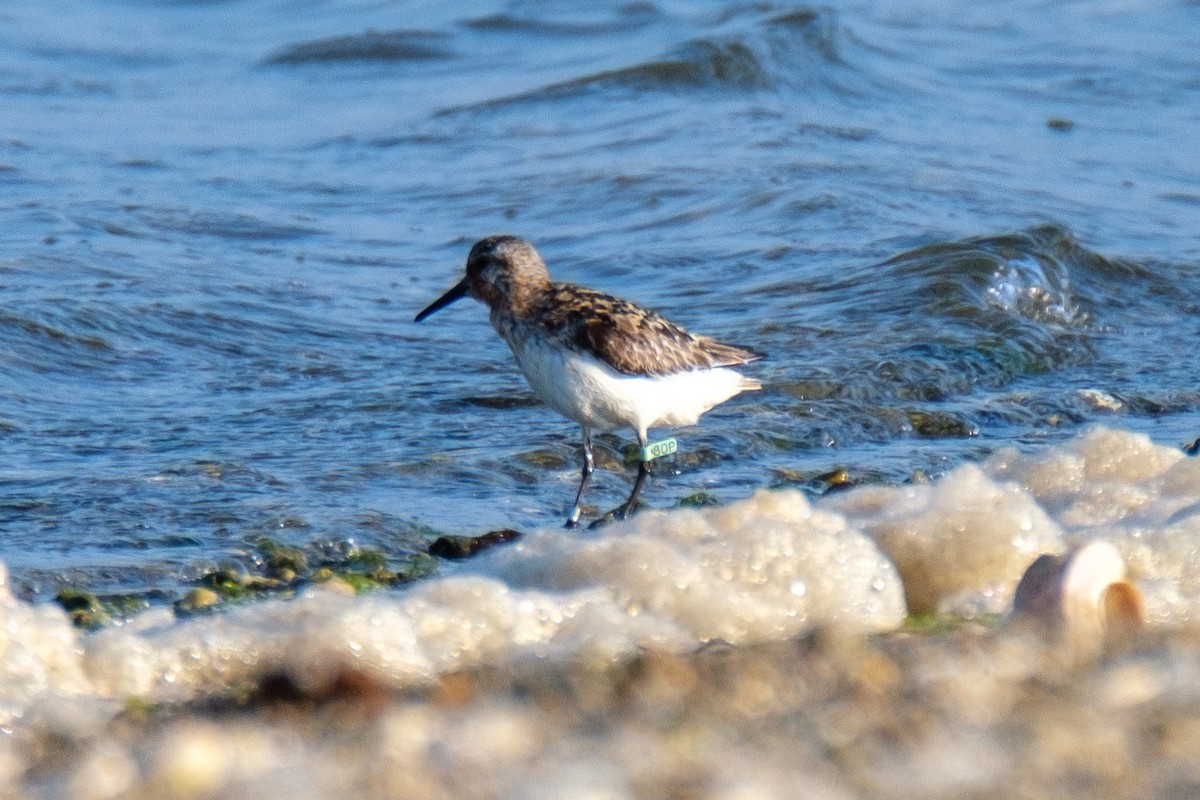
column 1023, row 286
column 1024, row 275
column 226, row 226
column 42, row 330
column 67, row 339
column 388, row 46
column 770, row 52
column 980, row 310
column 627, row 18
column 695, row 65
column 59, row 88
column 936, row 332
column 104, row 58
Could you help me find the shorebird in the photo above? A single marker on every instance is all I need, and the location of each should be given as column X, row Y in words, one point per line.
column 596, row 359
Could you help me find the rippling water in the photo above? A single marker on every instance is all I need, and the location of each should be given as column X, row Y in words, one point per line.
column 953, row 227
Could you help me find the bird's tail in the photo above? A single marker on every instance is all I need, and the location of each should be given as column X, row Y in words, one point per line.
column 749, row 384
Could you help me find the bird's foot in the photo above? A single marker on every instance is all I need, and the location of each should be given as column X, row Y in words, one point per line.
column 577, row 513
column 621, row 512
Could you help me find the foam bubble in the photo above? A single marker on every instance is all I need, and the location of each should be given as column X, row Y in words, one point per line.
column 960, row 542
column 728, row 574
column 39, row 653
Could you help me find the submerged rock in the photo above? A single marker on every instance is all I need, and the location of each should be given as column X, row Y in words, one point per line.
column 89, row 610
column 280, row 560
column 85, row 608
column 940, row 425
column 456, row 547
column 227, row 582
column 199, row 599
column 699, row 500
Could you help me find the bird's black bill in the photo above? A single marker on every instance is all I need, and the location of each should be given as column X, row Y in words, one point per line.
column 457, row 293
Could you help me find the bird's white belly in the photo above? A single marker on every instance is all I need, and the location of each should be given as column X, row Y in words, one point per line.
column 584, row 389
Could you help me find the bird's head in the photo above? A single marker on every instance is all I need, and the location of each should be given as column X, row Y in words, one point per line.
column 501, row 270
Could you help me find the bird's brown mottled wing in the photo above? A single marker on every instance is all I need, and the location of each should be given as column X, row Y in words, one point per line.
column 631, row 340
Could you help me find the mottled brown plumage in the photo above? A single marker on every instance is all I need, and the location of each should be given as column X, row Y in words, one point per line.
column 509, row 276
column 630, row 339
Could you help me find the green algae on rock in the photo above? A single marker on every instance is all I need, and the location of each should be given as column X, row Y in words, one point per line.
column 280, row 559
column 84, row 608
column 698, row 500
column 290, row 567
column 89, row 610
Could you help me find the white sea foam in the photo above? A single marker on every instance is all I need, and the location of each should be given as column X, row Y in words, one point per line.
column 961, row 543
column 766, row 568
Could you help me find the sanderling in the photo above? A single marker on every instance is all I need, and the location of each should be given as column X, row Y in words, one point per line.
column 598, row 360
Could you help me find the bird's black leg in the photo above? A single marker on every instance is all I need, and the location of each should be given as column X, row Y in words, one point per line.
column 624, row 510
column 588, row 465
column 643, row 472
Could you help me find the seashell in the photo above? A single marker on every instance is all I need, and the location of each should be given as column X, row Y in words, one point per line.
column 1084, row 594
